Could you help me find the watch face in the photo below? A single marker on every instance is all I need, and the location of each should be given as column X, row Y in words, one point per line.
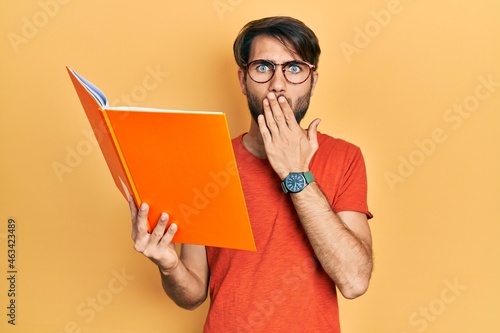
column 295, row 182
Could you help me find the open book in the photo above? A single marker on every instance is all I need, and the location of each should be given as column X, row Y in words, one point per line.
column 179, row 162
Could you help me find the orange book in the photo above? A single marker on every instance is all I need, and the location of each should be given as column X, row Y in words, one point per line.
column 179, row 162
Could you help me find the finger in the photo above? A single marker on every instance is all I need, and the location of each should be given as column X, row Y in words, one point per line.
column 312, row 133
column 133, row 208
column 141, row 220
column 169, row 235
column 140, row 228
column 277, row 112
column 133, row 216
column 269, row 117
column 287, row 112
column 159, row 230
column 312, row 130
column 264, row 130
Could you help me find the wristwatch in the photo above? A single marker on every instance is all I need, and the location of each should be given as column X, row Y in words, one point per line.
column 297, row 181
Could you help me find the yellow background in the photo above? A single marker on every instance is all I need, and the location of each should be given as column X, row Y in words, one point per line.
column 392, row 74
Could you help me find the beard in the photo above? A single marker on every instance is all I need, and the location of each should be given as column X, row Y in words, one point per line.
column 299, row 108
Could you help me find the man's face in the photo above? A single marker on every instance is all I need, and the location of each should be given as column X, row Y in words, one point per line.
column 298, row 95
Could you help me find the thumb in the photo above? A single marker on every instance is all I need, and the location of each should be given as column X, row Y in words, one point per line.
column 312, row 130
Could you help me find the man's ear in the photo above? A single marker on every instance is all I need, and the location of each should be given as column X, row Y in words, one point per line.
column 315, row 77
column 241, row 80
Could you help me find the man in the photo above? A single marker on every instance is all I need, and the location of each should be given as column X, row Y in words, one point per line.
column 306, row 198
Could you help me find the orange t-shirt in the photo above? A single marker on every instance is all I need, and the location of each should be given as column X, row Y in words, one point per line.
column 282, row 287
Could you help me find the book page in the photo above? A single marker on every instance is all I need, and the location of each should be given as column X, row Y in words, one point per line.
column 91, row 88
column 144, row 109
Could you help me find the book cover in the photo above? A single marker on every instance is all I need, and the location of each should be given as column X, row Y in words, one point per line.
column 179, row 162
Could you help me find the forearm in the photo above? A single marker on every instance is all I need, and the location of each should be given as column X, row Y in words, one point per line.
column 344, row 256
column 184, row 287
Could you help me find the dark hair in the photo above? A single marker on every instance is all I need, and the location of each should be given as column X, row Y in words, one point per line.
column 292, row 33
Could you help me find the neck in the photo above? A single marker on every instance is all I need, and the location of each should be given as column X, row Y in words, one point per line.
column 252, row 141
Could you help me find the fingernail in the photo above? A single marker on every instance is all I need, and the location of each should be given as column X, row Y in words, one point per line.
column 266, row 102
column 281, row 99
column 143, row 206
column 163, row 217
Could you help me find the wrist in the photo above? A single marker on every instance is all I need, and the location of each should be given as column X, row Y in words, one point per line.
column 295, row 182
column 283, row 174
column 167, row 272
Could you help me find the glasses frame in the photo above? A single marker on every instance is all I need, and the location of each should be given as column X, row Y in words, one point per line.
column 283, row 65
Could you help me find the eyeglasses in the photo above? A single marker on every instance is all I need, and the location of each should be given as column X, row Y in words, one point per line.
column 295, row 71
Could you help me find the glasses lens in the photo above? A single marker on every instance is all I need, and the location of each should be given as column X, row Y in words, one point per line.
column 296, row 71
column 260, row 70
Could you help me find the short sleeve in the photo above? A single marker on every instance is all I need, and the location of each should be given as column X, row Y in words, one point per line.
column 352, row 192
column 340, row 171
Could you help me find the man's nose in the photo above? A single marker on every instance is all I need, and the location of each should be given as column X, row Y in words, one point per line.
column 278, row 82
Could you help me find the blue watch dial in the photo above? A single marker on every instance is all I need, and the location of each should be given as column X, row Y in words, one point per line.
column 295, row 182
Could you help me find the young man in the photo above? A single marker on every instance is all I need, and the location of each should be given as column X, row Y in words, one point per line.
column 306, row 197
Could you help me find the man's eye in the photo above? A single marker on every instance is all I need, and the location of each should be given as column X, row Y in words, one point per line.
column 294, row 69
column 263, row 68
